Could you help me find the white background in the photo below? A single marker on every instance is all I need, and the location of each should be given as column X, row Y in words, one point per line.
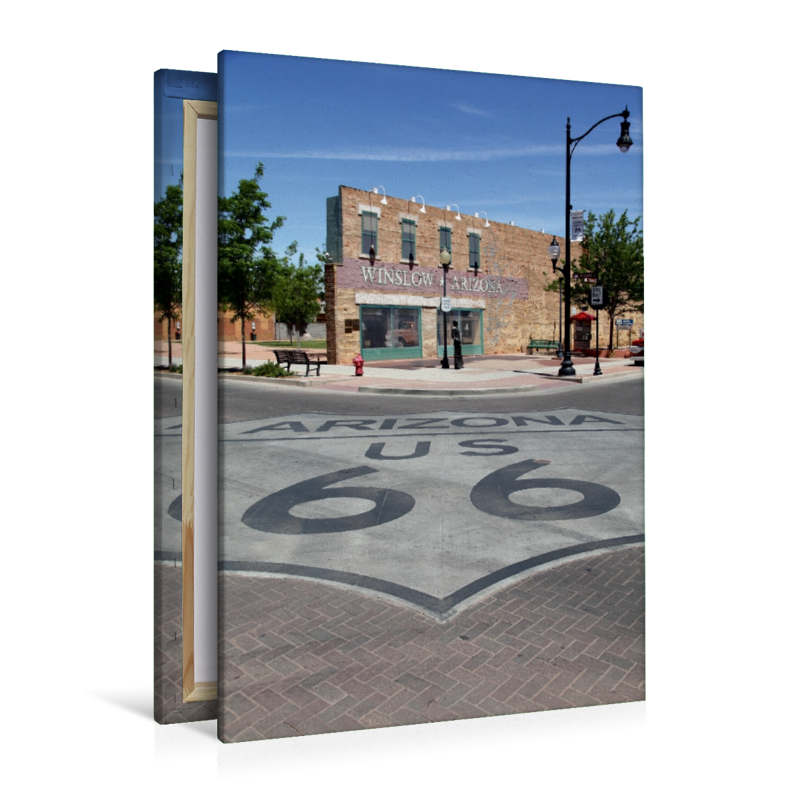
column 721, row 214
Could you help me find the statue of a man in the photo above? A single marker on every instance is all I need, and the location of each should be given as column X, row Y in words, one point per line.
column 455, row 335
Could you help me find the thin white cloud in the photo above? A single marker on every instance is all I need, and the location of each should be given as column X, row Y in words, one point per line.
column 410, row 154
column 407, row 154
column 468, row 109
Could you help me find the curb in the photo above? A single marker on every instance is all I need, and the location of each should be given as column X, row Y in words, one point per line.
column 287, row 381
column 447, row 392
column 593, row 378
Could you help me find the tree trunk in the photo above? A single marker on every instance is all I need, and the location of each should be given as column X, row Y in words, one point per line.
column 610, row 332
column 244, row 360
column 169, row 340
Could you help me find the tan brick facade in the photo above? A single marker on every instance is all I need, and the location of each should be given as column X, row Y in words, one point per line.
column 508, row 287
column 226, row 330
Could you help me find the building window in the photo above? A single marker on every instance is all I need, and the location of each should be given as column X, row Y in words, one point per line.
column 369, row 233
column 474, row 251
column 390, row 327
column 409, row 240
column 469, row 322
column 446, row 240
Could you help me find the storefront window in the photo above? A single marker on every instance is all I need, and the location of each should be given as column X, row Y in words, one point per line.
column 469, row 324
column 389, row 327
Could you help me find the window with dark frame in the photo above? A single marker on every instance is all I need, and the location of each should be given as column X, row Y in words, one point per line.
column 369, row 232
column 446, row 240
column 409, row 239
column 474, row 251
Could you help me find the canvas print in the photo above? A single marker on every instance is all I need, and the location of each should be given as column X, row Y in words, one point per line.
column 431, row 350
column 185, row 653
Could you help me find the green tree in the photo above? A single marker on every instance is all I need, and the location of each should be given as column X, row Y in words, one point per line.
column 612, row 249
column 167, row 257
column 248, row 268
column 298, row 290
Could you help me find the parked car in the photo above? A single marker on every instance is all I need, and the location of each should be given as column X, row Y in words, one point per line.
column 637, row 347
column 406, row 335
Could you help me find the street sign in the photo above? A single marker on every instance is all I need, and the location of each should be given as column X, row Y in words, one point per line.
column 624, row 323
column 447, row 304
column 576, row 226
column 585, row 277
column 598, row 298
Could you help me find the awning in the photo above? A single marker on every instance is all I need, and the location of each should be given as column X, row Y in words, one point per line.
column 582, row 317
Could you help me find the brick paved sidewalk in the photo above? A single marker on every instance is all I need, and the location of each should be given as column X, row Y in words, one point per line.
column 168, row 652
column 302, row 657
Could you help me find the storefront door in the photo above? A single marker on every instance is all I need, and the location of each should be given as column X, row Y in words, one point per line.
column 470, row 324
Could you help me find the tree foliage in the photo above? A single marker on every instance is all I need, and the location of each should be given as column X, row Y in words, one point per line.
column 248, row 268
column 297, row 290
column 613, row 250
column 167, row 257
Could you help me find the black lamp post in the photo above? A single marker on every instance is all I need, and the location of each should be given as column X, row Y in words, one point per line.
column 597, row 370
column 555, row 251
column 624, row 143
column 444, row 259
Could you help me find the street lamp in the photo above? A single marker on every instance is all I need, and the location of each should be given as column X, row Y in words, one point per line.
column 555, row 251
column 444, row 260
column 624, row 143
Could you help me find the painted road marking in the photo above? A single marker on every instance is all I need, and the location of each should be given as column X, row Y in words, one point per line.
column 432, row 509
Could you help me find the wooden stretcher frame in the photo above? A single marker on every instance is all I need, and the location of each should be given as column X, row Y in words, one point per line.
column 193, row 110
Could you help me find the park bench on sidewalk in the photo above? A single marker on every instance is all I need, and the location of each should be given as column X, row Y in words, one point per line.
column 300, row 357
column 542, row 344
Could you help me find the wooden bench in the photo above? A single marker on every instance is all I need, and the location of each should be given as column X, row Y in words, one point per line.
column 300, row 357
column 542, row 344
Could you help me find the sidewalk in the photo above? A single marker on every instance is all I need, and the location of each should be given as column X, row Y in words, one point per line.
column 481, row 375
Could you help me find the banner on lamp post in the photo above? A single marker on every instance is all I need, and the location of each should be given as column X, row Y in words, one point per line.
column 576, row 226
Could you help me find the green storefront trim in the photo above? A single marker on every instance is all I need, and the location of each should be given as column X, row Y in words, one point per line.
column 389, row 353
column 466, row 349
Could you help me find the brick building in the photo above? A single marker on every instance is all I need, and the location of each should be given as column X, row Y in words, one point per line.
column 262, row 326
column 383, row 288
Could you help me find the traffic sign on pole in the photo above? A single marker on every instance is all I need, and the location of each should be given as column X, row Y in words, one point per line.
column 598, row 298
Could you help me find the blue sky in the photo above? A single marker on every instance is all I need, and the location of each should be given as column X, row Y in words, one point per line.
column 488, row 143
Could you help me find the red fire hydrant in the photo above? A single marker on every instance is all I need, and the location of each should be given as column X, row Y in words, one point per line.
column 359, row 362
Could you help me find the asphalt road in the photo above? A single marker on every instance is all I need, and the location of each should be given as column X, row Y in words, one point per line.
column 168, row 396
column 432, row 501
column 242, row 400
column 245, row 400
